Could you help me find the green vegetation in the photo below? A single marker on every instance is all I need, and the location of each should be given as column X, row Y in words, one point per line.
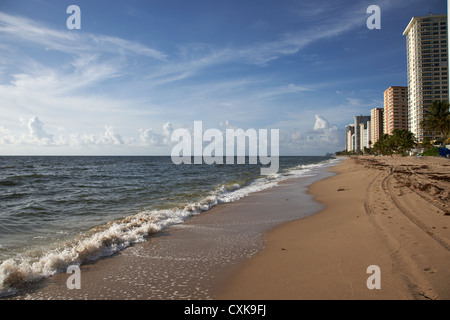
column 437, row 119
column 437, row 122
column 400, row 142
column 397, row 143
column 346, row 153
column 432, row 152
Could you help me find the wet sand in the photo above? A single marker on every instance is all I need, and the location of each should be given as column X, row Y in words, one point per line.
column 391, row 212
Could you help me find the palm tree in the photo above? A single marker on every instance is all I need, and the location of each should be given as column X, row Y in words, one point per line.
column 383, row 145
column 426, row 143
column 402, row 140
column 399, row 142
column 437, row 119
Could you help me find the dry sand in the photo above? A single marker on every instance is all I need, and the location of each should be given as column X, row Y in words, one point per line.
column 392, row 212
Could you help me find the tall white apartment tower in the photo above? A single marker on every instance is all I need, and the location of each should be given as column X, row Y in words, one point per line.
column 427, row 63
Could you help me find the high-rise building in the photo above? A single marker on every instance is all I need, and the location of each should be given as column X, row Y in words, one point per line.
column 364, row 135
column 376, row 125
column 427, row 63
column 395, row 109
column 350, row 137
column 360, row 143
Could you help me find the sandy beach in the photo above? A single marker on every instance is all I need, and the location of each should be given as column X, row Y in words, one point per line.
column 391, row 212
column 279, row 244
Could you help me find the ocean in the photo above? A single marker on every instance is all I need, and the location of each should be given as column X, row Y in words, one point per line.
column 57, row 211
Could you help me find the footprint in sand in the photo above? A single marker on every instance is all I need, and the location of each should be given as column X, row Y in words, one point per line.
column 428, row 270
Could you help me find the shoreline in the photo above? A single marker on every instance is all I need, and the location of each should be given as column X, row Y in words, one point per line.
column 191, row 260
column 310, row 238
column 377, row 212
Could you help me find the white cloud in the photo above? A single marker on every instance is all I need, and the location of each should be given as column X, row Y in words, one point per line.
column 227, row 125
column 74, row 89
column 24, row 29
column 150, row 138
column 37, row 132
column 70, row 95
column 167, row 132
column 37, row 136
column 324, row 137
column 195, row 57
column 6, row 137
column 110, row 137
column 326, row 132
column 322, row 125
column 79, row 139
column 355, row 102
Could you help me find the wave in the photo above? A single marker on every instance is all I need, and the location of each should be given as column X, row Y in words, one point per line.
column 9, row 182
column 107, row 239
column 19, row 179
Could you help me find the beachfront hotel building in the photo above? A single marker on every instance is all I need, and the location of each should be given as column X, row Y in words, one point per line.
column 376, row 125
column 427, row 64
column 395, row 109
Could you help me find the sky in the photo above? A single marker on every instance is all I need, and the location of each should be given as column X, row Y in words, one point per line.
column 137, row 70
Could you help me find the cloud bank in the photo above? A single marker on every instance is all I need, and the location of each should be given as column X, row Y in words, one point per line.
column 318, row 138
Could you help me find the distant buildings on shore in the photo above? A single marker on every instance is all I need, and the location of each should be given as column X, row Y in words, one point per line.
column 405, row 107
column 359, row 134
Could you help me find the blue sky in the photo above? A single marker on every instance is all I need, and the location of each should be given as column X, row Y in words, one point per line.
column 137, row 70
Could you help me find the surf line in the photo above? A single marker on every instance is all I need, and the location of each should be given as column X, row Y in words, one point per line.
column 257, row 148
